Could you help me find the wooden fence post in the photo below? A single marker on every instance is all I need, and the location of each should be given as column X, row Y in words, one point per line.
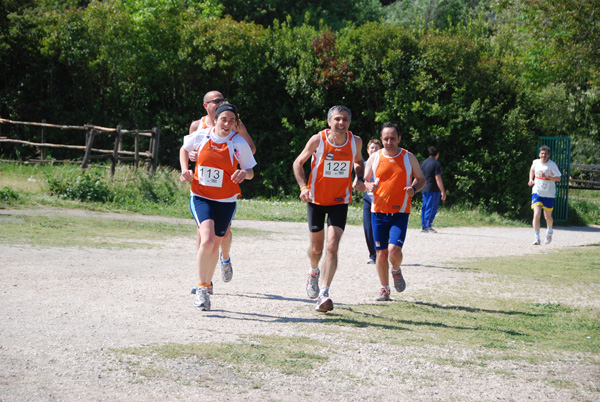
column 115, row 157
column 155, row 142
column 136, row 157
column 91, row 133
column 43, row 149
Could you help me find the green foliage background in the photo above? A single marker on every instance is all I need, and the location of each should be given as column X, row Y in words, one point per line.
column 482, row 80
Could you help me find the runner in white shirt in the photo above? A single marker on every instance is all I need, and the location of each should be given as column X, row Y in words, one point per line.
column 543, row 176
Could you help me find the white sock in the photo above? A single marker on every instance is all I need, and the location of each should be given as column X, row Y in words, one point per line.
column 313, row 271
column 324, row 289
column 537, row 235
column 549, row 231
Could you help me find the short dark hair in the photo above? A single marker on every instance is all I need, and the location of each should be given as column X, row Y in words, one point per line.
column 433, row 151
column 546, row 148
column 389, row 124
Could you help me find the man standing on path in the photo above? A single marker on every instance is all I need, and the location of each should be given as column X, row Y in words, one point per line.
column 334, row 153
column 397, row 178
column 543, row 176
column 434, row 190
column 212, row 100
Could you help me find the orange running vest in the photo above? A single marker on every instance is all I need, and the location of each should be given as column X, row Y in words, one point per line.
column 330, row 174
column 391, row 174
column 214, row 167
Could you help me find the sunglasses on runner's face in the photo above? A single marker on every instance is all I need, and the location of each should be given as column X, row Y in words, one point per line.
column 217, row 101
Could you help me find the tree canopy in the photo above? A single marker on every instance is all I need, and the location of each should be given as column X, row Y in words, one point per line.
column 481, row 80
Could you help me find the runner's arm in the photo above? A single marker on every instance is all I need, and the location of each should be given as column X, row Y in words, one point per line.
column 369, row 185
column 531, row 176
column 359, row 167
column 241, row 130
column 186, row 173
column 298, row 166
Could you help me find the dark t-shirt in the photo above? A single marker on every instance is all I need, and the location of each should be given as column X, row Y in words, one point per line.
column 431, row 167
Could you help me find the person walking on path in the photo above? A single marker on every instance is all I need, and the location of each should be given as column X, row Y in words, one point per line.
column 373, row 146
column 212, row 100
column 434, row 190
column 215, row 189
column 397, row 178
column 543, row 175
column 334, row 153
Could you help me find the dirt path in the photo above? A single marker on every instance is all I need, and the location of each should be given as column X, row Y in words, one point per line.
column 64, row 309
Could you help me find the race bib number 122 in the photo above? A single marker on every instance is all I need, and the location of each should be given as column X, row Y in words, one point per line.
column 336, row 169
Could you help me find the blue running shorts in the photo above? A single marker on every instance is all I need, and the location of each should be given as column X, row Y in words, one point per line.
column 221, row 213
column 389, row 229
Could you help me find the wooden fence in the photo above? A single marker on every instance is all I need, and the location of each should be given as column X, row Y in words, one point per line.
column 116, row 154
column 585, row 176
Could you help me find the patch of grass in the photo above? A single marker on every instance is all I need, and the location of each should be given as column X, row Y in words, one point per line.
column 61, row 231
column 579, row 265
column 584, row 207
column 526, row 328
column 25, row 178
column 518, row 329
column 286, row 355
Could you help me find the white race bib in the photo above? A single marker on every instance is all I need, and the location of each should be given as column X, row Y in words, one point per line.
column 210, row 176
column 336, row 169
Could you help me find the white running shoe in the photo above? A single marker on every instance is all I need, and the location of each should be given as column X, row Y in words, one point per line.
column 312, row 285
column 536, row 242
column 210, row 290
column 202, row 299
column 548, row 238
column 226, row 269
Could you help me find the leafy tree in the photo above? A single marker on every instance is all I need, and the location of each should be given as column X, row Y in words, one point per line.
column 334, row 14
column 441, row 14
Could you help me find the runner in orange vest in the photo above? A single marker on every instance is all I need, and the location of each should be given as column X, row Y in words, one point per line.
column 334, row 153
column 215, row 188
column 212, row 100
column 397, row 177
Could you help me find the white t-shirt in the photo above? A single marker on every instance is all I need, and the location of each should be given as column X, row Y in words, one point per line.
column 242, row 151
column 544, row 187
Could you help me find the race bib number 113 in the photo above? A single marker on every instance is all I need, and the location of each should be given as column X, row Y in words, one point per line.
column 209, row 176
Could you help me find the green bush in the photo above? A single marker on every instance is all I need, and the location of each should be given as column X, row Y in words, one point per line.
column 87, row 186
column 8, row 194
